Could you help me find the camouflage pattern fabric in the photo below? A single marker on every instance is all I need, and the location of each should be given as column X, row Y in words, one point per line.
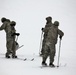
column 45, row 30
column 51, row 40
column 10, row 40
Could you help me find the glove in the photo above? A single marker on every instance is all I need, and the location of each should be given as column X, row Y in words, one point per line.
column 16, row 43
column 17, row 34
column 42, row 29
column 60, row 37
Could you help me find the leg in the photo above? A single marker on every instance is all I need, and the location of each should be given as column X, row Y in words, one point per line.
column 52, row 54
column 45, row 55
column 9, row 48
column 14, row 50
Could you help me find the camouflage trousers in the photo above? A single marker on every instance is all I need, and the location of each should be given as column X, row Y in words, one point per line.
column 11, row 47
column 49, row 50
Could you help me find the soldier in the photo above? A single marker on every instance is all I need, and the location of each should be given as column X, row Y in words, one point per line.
column 51, row 40
column 8, row 27
column 45, row 30
column 13, row 36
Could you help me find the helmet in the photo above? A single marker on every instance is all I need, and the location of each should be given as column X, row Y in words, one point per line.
column 13, row 23
column 56, row 23
column 49, row 18
column 3, row 19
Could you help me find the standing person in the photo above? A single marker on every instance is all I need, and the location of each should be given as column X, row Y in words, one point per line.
column 51, row 41
column 45, row 31
column 13, row 43
column 6, row 26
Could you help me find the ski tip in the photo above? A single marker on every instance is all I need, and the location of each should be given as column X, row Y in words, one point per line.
column 32, row 59
column 57, row 66
column 25, row 59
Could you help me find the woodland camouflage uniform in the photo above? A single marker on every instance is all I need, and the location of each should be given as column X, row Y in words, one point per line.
column 45, row 30
column 10, row 39
column 14, row 44
column 51, row 40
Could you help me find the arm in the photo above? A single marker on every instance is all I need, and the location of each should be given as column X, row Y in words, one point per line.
column 60, row 33
column 2, row 26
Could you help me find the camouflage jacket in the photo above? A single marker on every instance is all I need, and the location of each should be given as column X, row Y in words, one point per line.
column 8, row 29
column 45, row 30
column 53, row 34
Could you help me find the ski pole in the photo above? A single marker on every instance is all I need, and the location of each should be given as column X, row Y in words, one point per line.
column 40, row 43
column 59, row 53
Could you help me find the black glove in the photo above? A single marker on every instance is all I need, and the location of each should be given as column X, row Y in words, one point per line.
column 16, row 43
column 42, row 29
column 60, row 37
column 17, row 34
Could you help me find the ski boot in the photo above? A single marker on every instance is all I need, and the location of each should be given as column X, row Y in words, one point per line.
column 7, row 56
column 51, row 65
column 14, row 56
column 44, row 64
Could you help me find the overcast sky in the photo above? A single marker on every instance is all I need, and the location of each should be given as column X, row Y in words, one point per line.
column 30, row 18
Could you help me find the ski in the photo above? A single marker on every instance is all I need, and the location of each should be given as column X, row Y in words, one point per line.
column 29, row 59
column 62, row 65
column 46, row 67
column 53, row 67
column 25, row 59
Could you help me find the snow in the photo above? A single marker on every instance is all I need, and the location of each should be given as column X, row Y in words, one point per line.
column 30, row 18
column 21, row 67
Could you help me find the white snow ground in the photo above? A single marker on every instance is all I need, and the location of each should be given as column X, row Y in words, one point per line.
column 30, row 17
column 21, row 67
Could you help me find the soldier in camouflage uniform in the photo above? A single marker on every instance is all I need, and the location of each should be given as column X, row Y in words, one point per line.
column 13, row 42
column 45, row 31
column 51, row 40
column 10, row 31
